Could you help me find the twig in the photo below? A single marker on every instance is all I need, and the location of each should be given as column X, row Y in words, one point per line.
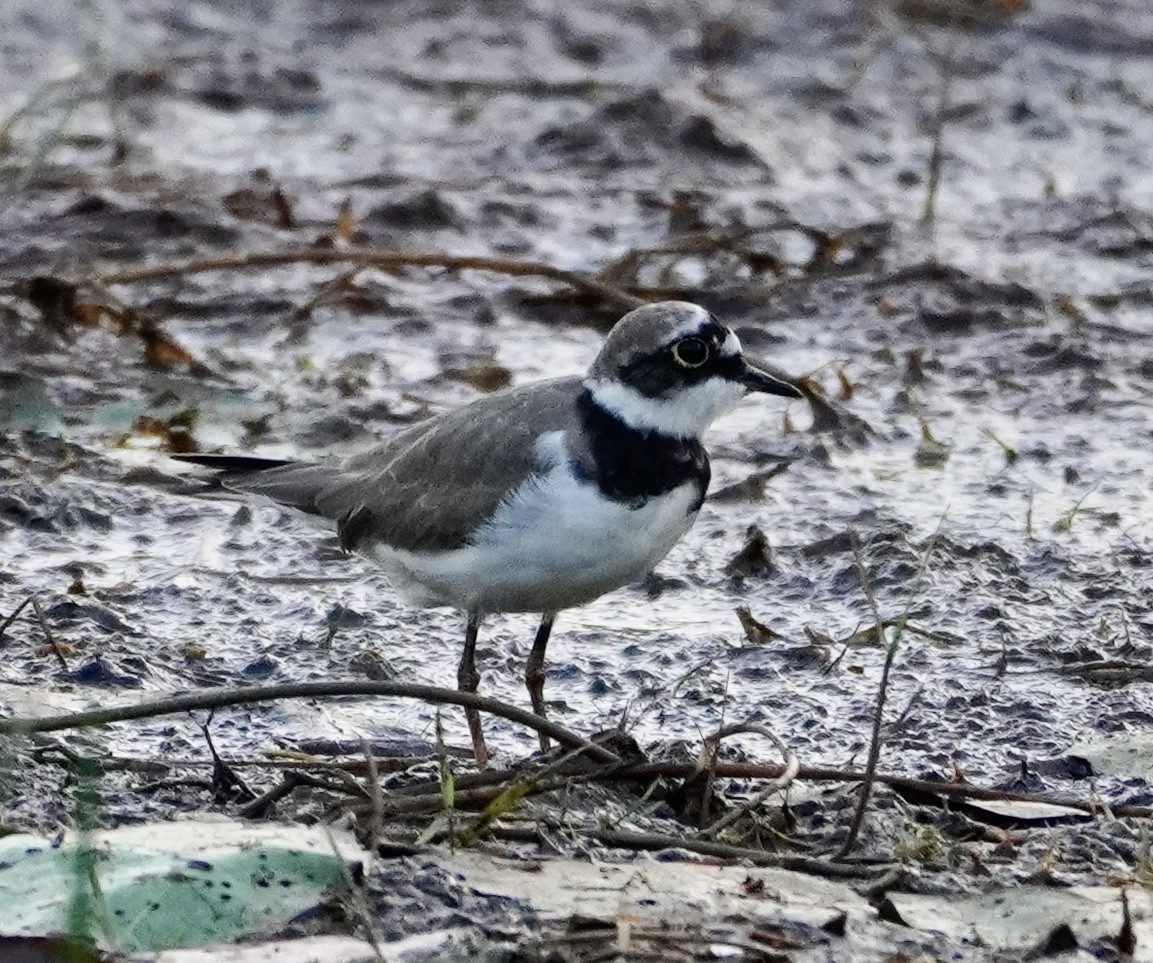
column 878, row 712
column 282, row 790
column 216, row 698
column 707, row 759
column 908, row 628
column 937, row 153
column 956, row 790
column 114, row 763
column 291, row 781
column 509, row 796
column 1127, row 938
column 480, row 796
column 367, row 257
column 303, row 312
column 913, row 702
column 656, row 841
column 447, row 779
column 15, row 614
column 792, row 767
column 53, row 647
column 35, row 104
column 883, row 883
column 882, row 690
column 375, row 796
column 225, row 781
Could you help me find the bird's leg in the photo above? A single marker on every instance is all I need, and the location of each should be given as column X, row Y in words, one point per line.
column 534, row 670
column 467, row 679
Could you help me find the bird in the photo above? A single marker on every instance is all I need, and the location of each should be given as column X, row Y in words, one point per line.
column 538, row 498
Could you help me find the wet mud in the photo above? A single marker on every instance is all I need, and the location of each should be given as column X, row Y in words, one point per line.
column 936, row 214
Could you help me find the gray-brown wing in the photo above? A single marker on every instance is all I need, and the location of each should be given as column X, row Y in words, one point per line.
column 429, row 487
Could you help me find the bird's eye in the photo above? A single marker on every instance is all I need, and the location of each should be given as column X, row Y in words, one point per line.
column 690, row 352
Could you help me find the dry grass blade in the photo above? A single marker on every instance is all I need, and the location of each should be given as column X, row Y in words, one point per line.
column 878, row 712
column 356, row 898
column 508, row 798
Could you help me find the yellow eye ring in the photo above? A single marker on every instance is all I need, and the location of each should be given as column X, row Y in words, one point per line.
column 690, row 352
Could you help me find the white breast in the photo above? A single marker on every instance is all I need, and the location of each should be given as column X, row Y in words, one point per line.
column 554, row 543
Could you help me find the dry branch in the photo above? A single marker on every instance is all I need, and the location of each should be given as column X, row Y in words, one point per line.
column 367, row 257
column 658, row 841
column 216, row 698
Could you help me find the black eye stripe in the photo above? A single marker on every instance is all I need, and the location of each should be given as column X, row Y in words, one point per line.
column 657, row 374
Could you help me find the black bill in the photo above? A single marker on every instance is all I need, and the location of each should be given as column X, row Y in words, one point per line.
column 756, row 380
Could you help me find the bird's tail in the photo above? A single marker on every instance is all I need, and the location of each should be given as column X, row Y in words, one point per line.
column 292, row 483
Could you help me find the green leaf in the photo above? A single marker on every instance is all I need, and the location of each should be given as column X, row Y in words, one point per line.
column 173, row 884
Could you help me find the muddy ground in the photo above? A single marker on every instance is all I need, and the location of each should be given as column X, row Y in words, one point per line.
column 937, row 213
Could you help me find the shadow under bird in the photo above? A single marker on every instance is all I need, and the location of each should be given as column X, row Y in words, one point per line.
column 539, row 498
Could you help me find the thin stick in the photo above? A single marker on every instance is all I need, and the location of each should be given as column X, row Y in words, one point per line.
column 483, row 787
column 15, row 614
column 292, row 780
column 937, row 154
column 216, row 698
column 356, row 898
column 882, row 691
column 792, row 767
column 48, row 635
column 367, row 257
column 955, row 790
column 375, row 796
column 257, row 807
column 883, row 883
column 655, row 841
column 878, row 712
column 494, row 779
column 508, row 796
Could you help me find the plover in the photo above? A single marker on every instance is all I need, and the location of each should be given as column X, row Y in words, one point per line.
column 539, row 498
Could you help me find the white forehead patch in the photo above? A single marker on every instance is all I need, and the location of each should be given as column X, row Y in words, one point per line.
column 699, row 318
column 695, row 318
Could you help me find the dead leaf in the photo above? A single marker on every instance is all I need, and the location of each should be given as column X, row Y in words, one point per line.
column 163, row 352
column 485, row 376
column 752, row 488
column 755, row 559
column 756, row 632
column 930, row 453
column 346, row 222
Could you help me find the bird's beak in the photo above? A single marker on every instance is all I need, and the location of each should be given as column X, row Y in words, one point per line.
column 756, row 380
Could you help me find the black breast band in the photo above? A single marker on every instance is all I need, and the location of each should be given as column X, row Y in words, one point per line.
column 629, row 465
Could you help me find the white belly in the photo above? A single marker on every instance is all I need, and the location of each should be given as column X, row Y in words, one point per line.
column 555, row 543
